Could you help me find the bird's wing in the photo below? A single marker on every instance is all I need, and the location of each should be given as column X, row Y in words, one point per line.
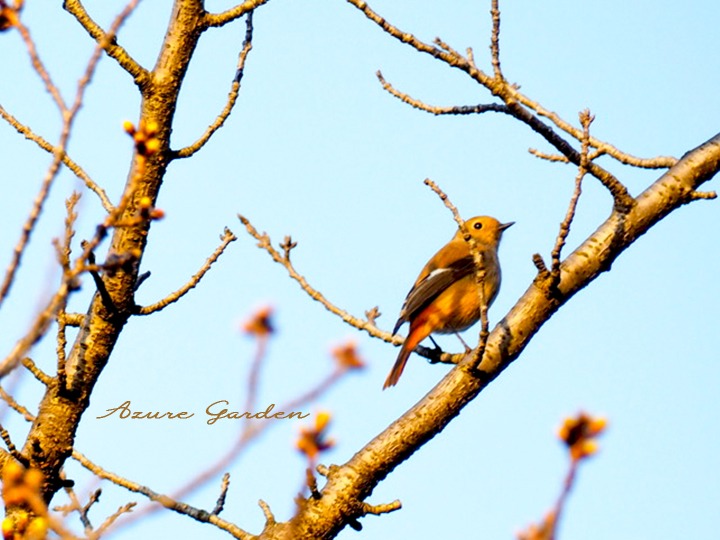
column 429, row 288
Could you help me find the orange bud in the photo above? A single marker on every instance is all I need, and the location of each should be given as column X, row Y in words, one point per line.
column 34, row 479
column 12, row 473
column 37, row 529
column 152, row 145
column 260, row 323
column 152, row 128
column 347, row 357
column 8, row 528
column 128, row 127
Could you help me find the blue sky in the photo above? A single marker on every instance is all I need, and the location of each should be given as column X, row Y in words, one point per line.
column 316, row 149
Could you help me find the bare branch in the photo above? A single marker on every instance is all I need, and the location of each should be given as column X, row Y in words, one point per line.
column 69, row 116
column 379, row 509
column 267, row 512
column 108, row 41
column 585, row 119
column 264, row 243
column 39, row 66
column 76, row 506
column 226, row 238
column 455, row 110
column 220, row 19
column 69, row 163
column 480, row 273
column 11, row 448
column 125, row 509
column 703, row 195
column 38, row 373
column 220, row 504
column 13, row 404
column 495, row 39
column 38, row 328
column 232, row 97
column 520, row 107
column 27, row 230
column 548, row 157
column 168, row 502
column 660, row 162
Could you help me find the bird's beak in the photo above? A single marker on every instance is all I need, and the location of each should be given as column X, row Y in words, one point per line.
column 507, row 225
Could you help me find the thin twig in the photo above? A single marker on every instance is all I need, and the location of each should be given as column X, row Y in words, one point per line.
column 12, row 449
column 231, row 100
column 220, row 19
column 379, row 509
column 659, row 162
column 125, row 509
column 13, row 404
column 495, row 39
column 39, row 66
column 522, row 108
column 480, row 273
column 585, row 119
column 220, row 504
column 703, row 195
column 267, row 512
column 36, row 372
column 226, row 238
column 549, row 157
column 454, row 110
column 168, row 502
column 69, row 163
column 76, row 506
column 245, row 437
column 253, row 379
column 312, row 484
column 264, row 243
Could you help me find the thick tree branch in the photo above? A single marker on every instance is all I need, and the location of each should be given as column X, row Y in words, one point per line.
column 350, row 484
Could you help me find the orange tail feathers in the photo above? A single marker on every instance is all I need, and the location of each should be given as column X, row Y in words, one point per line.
column 415, row 336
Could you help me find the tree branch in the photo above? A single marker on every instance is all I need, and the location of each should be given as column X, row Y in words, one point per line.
column 367, row 326
column 226, row 238
column 197, row 514
column 519, row 106
column 349, row 484
column 232, row 97
column 78, row 171
column 220, row 19
column 454, row 110
column 108, row 42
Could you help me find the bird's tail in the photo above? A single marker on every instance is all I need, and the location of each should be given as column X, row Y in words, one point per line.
column 415, row 336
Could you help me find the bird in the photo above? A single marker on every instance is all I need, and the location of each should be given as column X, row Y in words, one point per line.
column 445, row 298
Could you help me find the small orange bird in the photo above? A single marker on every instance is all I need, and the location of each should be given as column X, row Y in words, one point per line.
column 444, row 298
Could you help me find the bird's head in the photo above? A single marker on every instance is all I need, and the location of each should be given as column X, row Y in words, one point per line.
column 485, row 229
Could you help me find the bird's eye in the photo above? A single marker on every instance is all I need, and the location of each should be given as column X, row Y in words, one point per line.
column 477, row 225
